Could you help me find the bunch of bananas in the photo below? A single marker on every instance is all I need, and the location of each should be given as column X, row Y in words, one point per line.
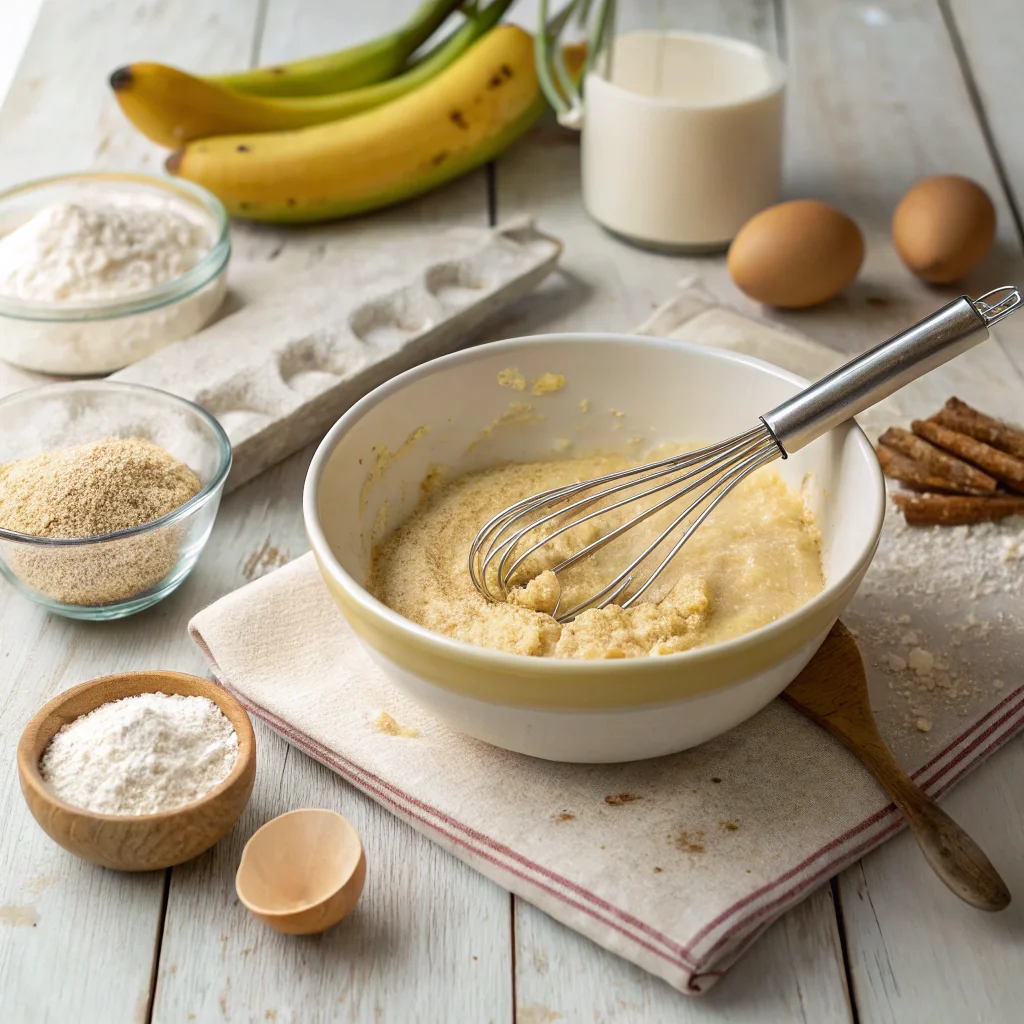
column 348, row 132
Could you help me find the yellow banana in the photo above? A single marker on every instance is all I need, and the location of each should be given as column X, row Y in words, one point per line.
column 171, row 107
column 369, row 62
column 457, row 121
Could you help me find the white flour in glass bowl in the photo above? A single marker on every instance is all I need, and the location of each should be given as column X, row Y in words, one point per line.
column 113, row 269
column 100, row 249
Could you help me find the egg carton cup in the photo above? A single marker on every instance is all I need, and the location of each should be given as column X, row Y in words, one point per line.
column 298, row 344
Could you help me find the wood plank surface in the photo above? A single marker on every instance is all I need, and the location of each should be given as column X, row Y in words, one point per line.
column 429, row 940
column 990, row 34
column 876, row 104
column 429, row 926
column 876, row 100
column 59, row 115
column 793, row 973
column 73, row 937
column 605, row 285
column 77, row 941
column 873, row 105
column 919, row 955
column 18, row 22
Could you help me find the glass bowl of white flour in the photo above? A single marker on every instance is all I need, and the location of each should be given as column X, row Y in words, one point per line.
column 100, row 269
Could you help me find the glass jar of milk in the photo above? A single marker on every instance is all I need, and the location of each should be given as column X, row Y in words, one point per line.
column 681, row 127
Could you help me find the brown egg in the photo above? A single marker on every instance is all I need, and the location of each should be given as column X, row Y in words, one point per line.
column 943, row 227
column 796, row 254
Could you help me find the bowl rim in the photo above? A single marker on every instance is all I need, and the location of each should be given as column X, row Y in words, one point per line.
column 485, row 657
column 28, row 767
column 197, row 277
column 201, row 497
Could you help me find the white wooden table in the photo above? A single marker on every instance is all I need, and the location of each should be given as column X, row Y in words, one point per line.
column 881, row 94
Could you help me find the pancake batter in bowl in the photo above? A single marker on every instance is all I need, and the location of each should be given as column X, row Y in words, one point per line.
column 755, row 558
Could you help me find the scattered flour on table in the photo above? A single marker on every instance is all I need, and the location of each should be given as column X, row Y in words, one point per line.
column 100, row 249
column 965, row 580
column 141, row 755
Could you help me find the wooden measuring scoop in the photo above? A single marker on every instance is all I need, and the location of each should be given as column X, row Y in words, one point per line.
column 833, row 691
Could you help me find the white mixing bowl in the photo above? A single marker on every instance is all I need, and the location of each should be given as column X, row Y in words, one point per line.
column 453, row 413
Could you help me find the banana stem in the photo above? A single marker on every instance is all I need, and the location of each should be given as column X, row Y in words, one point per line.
column 366, row 64
column 480, row 21
column 425, row 21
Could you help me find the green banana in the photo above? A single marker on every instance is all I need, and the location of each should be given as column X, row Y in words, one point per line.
column 365, row 64
column 171, row 107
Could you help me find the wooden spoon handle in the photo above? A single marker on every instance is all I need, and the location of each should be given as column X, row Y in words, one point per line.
column 954, row 856
column 833, row 691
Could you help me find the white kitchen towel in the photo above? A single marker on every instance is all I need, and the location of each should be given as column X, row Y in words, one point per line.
column 678, row 863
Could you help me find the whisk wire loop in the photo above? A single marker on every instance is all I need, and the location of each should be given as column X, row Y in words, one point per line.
column 725, row 477
column 752, row 463
column 496, row 553
column 505, row 571
column 639, row 518
column 496, row 528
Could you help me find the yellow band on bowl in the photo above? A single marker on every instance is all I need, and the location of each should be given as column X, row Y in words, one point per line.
column 520, row 681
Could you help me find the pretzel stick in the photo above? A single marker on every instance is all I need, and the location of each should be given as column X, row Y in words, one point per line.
column 958, row 475
column 957, row 415
column 1003, row 467
column 955, row 509
column 898, row 466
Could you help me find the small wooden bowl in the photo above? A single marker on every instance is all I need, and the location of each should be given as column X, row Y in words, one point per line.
column 302, row 872
column 136, row 842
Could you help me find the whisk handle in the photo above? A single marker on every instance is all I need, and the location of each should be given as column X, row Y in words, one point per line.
column 876, row 374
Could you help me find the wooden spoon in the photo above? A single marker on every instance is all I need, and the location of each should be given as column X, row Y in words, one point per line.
column 833, row 691
column 302, row 872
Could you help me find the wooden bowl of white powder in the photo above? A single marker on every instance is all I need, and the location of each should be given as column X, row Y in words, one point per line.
column 138, row 771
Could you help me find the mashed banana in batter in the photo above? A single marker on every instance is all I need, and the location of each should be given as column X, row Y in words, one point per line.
column 755, row 558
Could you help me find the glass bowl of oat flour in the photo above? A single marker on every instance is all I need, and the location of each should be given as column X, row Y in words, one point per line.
column 100, row 269
column 108, row 493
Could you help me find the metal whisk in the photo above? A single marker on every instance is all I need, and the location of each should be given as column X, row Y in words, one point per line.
column 523, row 530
